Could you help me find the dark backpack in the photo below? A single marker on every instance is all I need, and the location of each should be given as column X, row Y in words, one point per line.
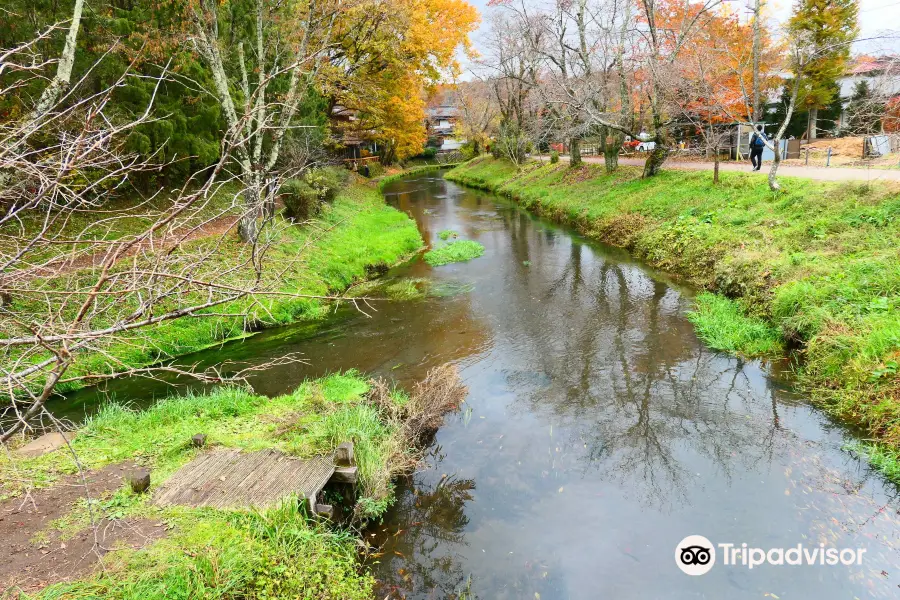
column 759, row 140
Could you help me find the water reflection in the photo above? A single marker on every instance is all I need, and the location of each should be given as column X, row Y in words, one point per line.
column 603, row 432
column 597, row 434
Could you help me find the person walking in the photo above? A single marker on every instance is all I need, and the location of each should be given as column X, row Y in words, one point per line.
column 757, row 144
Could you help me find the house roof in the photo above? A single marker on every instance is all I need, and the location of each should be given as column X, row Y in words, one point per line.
column 442, row 111
column 865, row 65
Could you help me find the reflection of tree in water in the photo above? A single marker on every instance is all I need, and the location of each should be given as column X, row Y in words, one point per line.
column 628, row 378
column 418, row 561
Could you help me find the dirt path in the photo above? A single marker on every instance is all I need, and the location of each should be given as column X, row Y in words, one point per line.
column 818, row 173
column 36, row 555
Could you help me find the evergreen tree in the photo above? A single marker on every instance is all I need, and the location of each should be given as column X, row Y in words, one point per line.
column 826, row 28
column 864, row 110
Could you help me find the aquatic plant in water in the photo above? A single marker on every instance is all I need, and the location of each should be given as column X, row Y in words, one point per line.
column 456, row 251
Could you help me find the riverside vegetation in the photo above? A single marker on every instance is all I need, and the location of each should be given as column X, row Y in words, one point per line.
column 273, row 553
column 814, row 266
column 351, row 238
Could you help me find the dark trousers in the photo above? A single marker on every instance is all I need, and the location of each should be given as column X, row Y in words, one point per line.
column 756, row 158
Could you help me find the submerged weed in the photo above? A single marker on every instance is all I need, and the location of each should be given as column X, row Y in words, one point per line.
column 456, row 251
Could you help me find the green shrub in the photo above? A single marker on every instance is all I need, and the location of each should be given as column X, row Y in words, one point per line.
column 429, row 153
column 303, row 197
column 376, row 169
column 301, row 200
column 554, row 157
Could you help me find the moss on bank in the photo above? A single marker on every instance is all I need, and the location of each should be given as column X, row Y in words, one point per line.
column 816, row 263
column 355, row 233
column 275, row 553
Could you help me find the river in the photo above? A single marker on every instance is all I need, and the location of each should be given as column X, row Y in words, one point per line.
column 597, row 434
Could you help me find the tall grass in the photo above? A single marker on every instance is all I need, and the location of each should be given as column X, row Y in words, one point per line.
column 724, row 325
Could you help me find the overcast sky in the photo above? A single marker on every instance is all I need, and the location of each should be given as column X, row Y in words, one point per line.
column 875, row 17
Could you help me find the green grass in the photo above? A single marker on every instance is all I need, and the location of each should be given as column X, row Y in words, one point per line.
column 354, row 233
column 406, row 288
column 724, row 325
column 313, row 419
column 455, row 251
column 447, row 234
column 817, row 263
column 228, row 554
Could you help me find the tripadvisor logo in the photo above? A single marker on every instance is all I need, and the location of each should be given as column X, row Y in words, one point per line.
column 696, row 555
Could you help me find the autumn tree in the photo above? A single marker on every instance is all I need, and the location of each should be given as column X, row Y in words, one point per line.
column 719, row 78
column 387, row 56
column 826, row 28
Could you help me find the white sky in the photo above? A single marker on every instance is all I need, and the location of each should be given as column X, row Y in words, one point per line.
column 876, row 17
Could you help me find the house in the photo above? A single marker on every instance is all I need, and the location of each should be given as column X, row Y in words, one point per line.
column 440, row 121
column 347, row 133
column 881, row 74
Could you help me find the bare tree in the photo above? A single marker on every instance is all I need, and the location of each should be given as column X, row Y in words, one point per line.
column 83, row 283
column 290, row 44
column 510, row 67
column 479, row 113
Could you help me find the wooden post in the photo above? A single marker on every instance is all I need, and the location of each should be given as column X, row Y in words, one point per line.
column 344, row 475
column 199, row 440
column 828, row 158
column 343, row 455
column 138, row 481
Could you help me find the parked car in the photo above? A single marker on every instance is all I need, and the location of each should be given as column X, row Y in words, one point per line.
column 645, row 147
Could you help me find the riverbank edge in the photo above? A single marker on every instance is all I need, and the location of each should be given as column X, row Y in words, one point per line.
column 743, row 307
column 362, row 236
column 253, row 551
column 386, row 179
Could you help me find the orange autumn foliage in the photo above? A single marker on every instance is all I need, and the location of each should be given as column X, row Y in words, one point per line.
column 715, row 65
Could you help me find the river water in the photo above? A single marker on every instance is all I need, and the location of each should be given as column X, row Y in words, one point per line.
column 597, row 434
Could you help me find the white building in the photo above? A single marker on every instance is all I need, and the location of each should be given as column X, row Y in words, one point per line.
column 882, row 74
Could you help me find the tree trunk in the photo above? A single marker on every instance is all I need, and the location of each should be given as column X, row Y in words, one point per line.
column 63, row 69
column 575, row 152
column 611, row 158
column 248, row 228
column 657, row 157
column 813, row 118
column 757, row 44
column 773, row 172
column 716, row 166
column 609, row 145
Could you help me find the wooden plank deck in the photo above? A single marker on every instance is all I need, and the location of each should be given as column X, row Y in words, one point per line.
column 229, row 478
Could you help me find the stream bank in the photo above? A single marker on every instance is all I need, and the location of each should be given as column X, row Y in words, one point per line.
column 813, row 267
column 598, row 431
column 354, row 238
column 167, row 551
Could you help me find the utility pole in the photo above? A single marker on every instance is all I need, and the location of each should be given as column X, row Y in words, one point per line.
column 757, row 43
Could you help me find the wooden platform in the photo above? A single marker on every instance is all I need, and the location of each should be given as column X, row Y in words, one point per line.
column 229, row 478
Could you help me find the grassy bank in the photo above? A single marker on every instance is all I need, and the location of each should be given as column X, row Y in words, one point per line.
column 815, row 265
column 275, row 553
column 351, row 238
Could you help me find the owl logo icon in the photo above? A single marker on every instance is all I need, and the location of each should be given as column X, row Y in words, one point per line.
column 695, row 555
